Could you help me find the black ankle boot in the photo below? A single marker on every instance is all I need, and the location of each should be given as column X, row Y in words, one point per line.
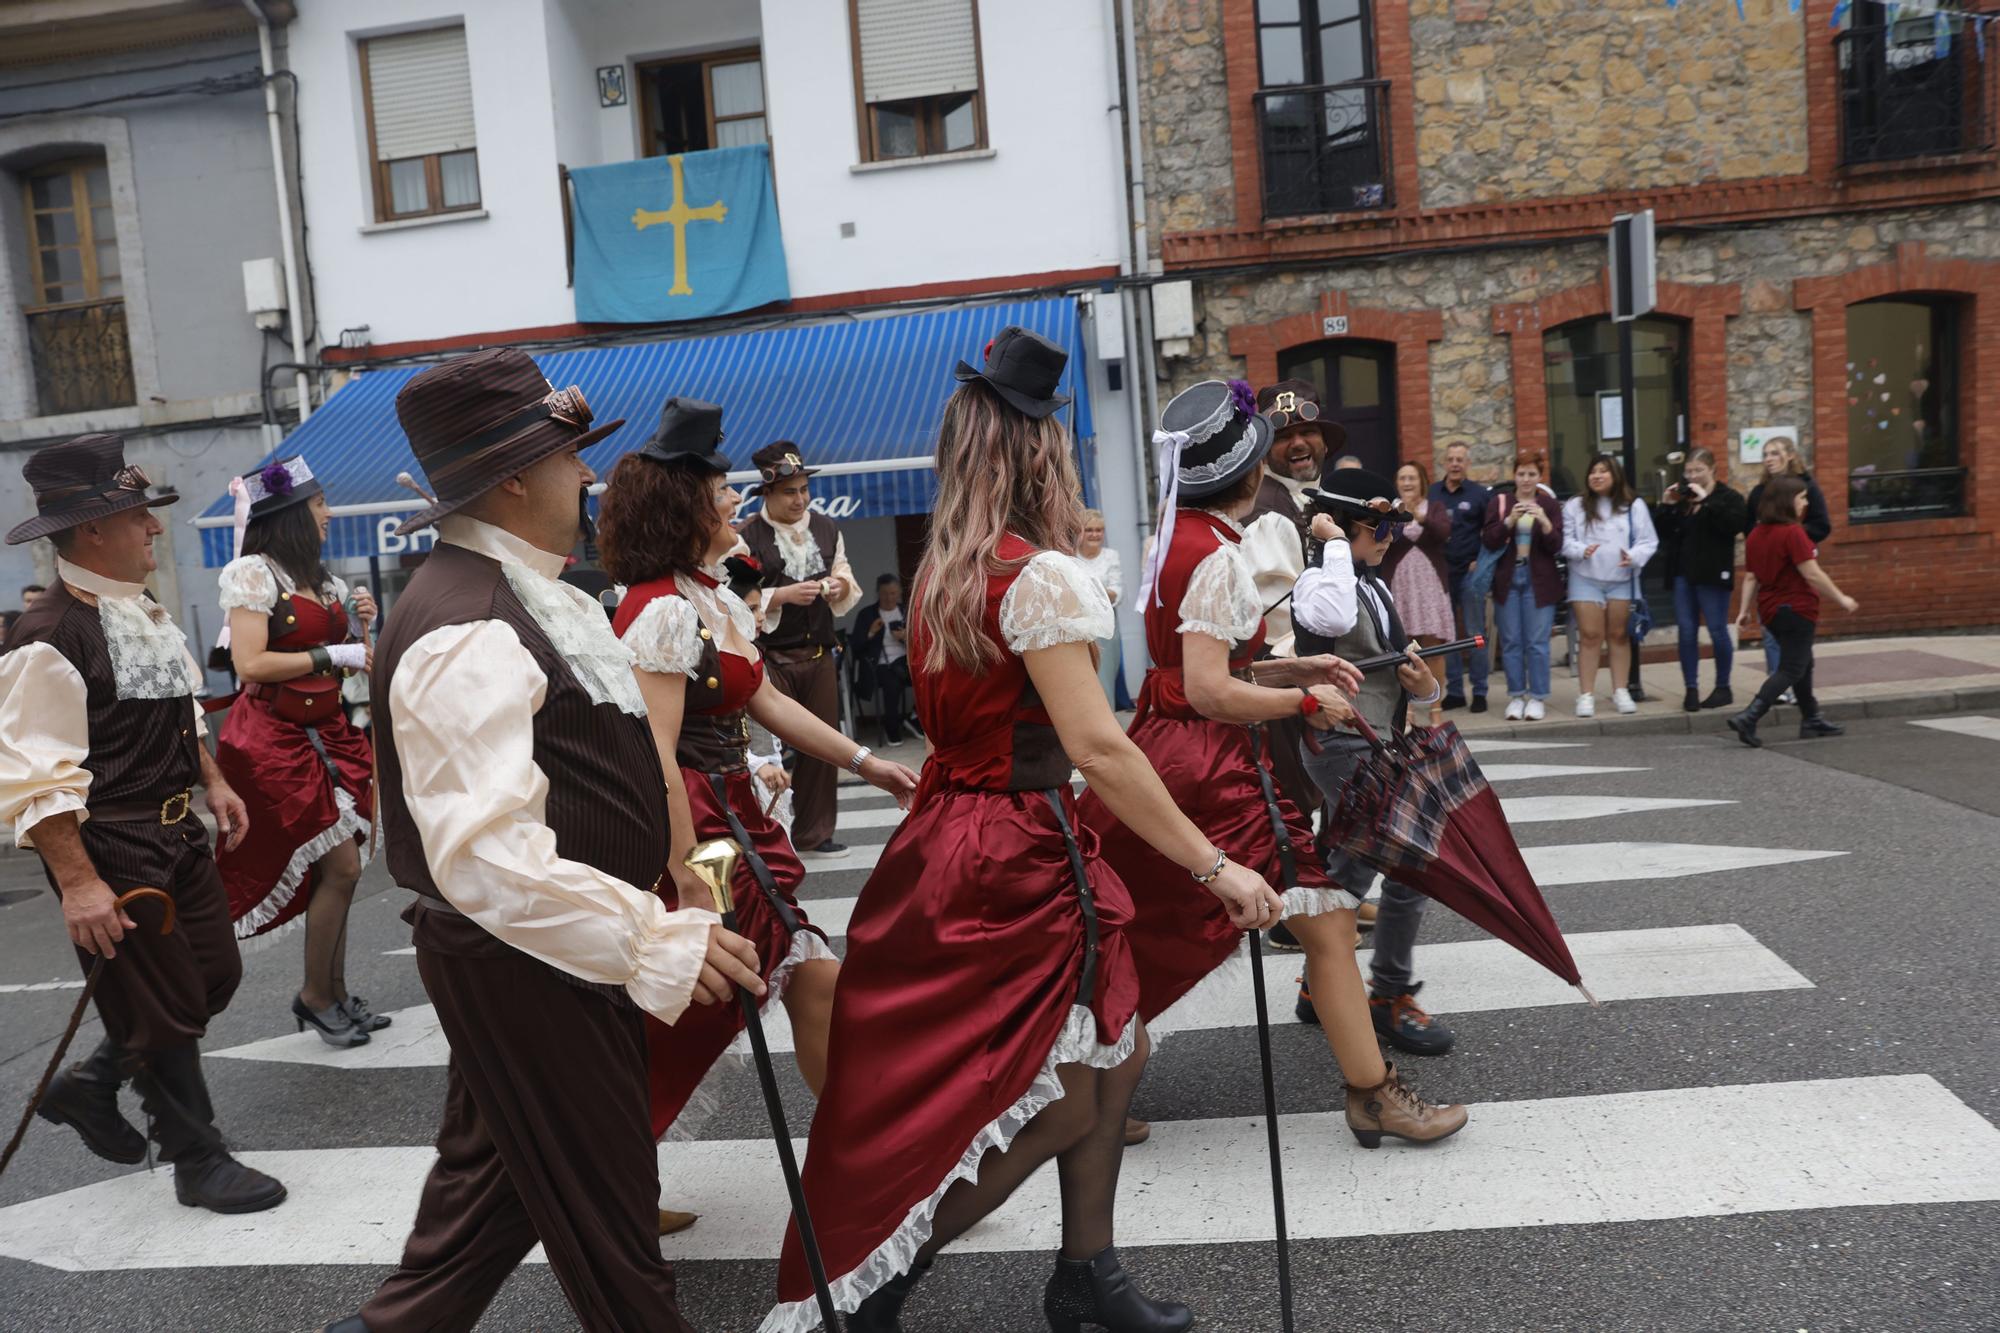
column 85, row 1097
column 1691, row 701
column 205, row 1175
column 879, row 1313
column 1095, row 1291
column 1719, row 697
column 1817, row 725
column 1744, row 724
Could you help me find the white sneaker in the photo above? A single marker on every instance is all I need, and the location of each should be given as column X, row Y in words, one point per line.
column 1517, row 709
column 1622, row 701
column 1535, row 710
column 1586, row 705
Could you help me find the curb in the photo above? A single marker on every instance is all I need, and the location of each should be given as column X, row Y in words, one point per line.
column 1713, row 721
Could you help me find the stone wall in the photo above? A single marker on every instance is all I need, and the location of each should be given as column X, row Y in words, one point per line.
column 1184, row 93
column 1768, row 345
column 1532, row 98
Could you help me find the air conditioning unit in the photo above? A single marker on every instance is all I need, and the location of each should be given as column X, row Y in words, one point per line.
column 264, row 292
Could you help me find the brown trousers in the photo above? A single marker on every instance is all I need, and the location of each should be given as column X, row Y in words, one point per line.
column 815, row 683
column 545, row 1137
column 161, row 990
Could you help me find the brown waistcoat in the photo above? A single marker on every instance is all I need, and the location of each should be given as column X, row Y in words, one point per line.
column 808, row 626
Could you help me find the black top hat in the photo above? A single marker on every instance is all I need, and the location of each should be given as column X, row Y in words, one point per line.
column 1024, row 368
column 80, row 481
column 1354, row 494
column 479, row 419
column 280, row 484
column 1292, row 404
column 1226, row 441
column 779, row 461
column 690, row 431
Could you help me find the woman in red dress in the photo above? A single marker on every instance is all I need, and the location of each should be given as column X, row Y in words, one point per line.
column 664, row 523
column 302, row 768
column 1197, row 722
column 986, row 1016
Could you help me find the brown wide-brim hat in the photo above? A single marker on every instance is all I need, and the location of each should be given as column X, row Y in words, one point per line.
column 779, row 461
column 80, row 481
column 479, row 419
column 1293, row 405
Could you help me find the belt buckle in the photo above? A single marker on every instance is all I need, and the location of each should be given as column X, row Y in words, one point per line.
column 819, row 652
column 168, row 805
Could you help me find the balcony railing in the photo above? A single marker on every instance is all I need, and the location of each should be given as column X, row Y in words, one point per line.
column 1325, row 148
column 1902, row 100
column 83, row 360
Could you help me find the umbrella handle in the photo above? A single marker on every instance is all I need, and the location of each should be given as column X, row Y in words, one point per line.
column 166, row 905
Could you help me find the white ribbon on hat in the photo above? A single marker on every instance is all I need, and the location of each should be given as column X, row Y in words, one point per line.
column 238, row 489
column 1169, row 443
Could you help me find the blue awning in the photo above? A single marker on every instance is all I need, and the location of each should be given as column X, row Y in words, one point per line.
column 849, row 391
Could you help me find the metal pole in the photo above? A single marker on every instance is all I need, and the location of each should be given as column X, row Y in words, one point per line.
column 287, row 240
column 1628, row 407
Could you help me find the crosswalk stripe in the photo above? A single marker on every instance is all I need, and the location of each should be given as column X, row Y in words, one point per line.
column 1985, row 728
column 1468, row 977
column 1523, row 772
column 16, row 988
column 1480, row 745
column 1616, row 1157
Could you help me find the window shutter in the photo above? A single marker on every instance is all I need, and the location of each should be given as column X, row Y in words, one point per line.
column 917, row 48
column 420, row 91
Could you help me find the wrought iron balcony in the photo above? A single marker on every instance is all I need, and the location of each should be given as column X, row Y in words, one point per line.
column 1325, row 148
column 83, row 360
column 1903, row 99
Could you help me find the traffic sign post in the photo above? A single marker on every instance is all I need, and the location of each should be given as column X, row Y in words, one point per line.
column 1634, row 292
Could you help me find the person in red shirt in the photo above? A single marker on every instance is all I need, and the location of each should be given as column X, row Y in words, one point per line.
column 1785, row 584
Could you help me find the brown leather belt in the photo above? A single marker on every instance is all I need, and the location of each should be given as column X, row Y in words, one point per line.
column 794, row 656
column 170, row 811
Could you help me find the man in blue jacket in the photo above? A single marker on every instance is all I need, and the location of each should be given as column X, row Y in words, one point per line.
column 1466, row 499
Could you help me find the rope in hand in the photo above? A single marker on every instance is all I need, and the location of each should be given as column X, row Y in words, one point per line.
column 76, row 1021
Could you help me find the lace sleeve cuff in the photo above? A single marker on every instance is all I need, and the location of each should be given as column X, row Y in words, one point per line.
column 1221, row 600
column 666, row 636
column 1054, row 600
column 249, row 585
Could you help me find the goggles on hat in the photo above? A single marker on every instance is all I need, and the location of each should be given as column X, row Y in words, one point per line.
column 1287, row 410
column 788, row 466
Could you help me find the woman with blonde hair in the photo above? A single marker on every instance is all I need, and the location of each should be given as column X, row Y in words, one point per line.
column 986, row 1016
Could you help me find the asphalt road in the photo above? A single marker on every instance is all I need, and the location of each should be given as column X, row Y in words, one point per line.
column 1786, row 1123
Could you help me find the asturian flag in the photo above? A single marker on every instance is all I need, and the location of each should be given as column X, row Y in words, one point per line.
column 678, row 237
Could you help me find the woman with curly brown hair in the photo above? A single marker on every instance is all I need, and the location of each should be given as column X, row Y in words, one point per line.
column 663, row 528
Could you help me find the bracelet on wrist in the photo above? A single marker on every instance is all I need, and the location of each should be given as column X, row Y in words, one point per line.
column 1214, row 871
column 1309, row 704
column 322, row 660
column 860, row 758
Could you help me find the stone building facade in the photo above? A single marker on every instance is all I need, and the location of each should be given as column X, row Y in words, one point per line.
column 1406, row 200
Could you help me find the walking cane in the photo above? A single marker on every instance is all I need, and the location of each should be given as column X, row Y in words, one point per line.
column 1290, row 876
column 715, row 862
column 76, row 1021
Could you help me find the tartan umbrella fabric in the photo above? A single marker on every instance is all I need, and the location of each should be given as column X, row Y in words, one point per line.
column 1418, row 810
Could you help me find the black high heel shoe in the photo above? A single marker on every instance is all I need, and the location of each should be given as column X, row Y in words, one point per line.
column 1096, row 1292
column 880, row 1312
column 335, row 1028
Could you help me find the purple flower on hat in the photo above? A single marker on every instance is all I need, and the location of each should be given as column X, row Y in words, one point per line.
column 277, row 479
column 1243, row 396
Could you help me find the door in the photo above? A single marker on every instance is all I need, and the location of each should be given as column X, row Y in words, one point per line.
column 1356, row 381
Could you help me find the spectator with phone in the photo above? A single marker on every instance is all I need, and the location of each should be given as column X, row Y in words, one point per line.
column 1528, row 534
column 1607, row 538
column 1699, row 521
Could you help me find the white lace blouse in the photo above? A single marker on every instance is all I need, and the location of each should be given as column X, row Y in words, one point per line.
column 1054, row 600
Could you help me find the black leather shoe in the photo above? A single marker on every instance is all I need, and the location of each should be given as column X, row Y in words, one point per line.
column 1816, row 726
column 85, row 1098
column 1719, row 697
column 828, row 848
column 881, row 1312
column 362, row 1016
column 1744, row 724
column 1096, row 1293
column 218, row 1182
column 183, row 1119
column 1478, row 703
column 1691, row 701
column 333, row 1023
column 1402, row 1022
column 1452, row 701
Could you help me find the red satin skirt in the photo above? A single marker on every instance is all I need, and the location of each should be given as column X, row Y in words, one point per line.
column 679, row 1056
column 295, row 815
column 1180, row 931
column 964, row 960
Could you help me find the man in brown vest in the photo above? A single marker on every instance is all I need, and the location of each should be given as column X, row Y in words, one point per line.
column 100, row 748
column 807, row 586
column 523, row 801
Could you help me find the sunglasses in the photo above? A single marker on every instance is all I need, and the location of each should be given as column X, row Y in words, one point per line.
column 1287, row 410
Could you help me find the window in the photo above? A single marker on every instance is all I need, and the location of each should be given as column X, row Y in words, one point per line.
column 1580, row 364
column 75, row 308
column 417, row 88
column 1904, row 94
column 1902, row 410
column 1323, row 118
column 1356, row 382
column 704, row 102
column 917, row 77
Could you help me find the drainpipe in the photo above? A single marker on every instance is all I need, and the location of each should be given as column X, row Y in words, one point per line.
column 1136, row 298
column 287, row 238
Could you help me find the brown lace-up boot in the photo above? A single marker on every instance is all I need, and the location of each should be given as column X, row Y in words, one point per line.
column 1393, row 1109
